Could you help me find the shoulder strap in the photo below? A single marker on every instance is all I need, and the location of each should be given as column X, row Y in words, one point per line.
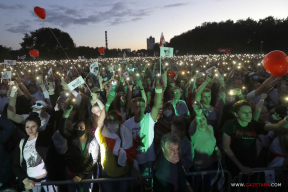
column 21, row 148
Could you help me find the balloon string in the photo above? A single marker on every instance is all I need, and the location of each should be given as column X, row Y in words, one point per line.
column 270, row 84
column 59, row 44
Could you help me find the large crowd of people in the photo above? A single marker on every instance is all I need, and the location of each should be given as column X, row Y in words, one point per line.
column 136, row 117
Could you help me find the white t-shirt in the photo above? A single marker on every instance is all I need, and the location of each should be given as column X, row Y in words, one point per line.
column 43, row 122
column 123, row 114
column 143, row 129
column 34, row 162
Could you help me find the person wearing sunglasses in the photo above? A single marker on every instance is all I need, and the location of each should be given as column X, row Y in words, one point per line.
column 38, row 106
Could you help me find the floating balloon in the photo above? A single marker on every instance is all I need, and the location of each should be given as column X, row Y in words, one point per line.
column 276, row 63
column 101, row 50
column 40, row 12
column 171, row 74
column 34, row 53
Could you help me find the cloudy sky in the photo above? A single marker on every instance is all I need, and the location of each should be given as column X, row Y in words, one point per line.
column 128, row 22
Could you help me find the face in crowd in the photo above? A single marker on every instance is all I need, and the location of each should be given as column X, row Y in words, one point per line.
column 177, row 94
column 96, row 111
column 31, row 128
column 138, row 108
column 171, row 152
column 176, row 131
column 32, row 89
column 206, row 98
column 244, row 114
column 168, row 111
column 264, row 116
column 80, row 129
column 112, row 122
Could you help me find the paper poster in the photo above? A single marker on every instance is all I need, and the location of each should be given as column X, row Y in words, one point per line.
column 94, row 68
column 76, row 83
column 166, row 51
column 6, row 75
column 50, row 71
column 126, row 74
column 111, row 69
column 210, row 69
column 10, row 62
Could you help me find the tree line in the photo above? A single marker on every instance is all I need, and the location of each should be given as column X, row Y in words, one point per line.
column 243, row 36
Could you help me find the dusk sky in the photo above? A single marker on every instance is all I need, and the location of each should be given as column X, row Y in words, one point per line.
column 128, row 23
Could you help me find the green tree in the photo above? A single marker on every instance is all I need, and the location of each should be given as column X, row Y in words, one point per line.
column 44, row 41
column 5, row 53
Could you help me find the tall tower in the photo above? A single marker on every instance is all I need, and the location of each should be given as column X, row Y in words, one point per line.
column 150, row 43
column 106, row 40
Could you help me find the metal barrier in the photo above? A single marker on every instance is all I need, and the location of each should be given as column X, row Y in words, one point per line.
column 262, row 170
column 228, row 179
column 226, row 173
column 101, row 180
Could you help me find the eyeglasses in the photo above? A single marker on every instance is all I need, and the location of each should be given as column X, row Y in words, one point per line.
column 38, row 104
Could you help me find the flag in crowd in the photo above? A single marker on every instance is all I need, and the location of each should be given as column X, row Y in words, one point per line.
column 22, row 57
column 162, row 40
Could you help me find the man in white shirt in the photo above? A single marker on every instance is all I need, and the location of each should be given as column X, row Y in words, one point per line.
column 142, row 127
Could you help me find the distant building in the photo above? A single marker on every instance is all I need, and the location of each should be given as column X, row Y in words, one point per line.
column 150, row 43
column 127, row 50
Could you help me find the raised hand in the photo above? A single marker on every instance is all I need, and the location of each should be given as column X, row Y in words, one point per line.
column 209, row 77
column 159, row 83
column 197, row 108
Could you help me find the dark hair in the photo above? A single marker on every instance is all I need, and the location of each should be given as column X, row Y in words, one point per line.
column 115, row 114
column 181, row 125
column 239, row 104
column 33, row 117
column 137, row 99
column 168, row 104
column 170, row 138
column 87, row 125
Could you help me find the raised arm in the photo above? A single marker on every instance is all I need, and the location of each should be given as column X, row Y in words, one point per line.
column 258, row 107
column 202, row 87
column 11, row 111
column 111, row 96
column 157, row 100
column 264, row 87
column 139, row 83
column 63, row 124
column 23, row 88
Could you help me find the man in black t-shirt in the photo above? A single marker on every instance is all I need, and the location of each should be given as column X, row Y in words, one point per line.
column 239, row 137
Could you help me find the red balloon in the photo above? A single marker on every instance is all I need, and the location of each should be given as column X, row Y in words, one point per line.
column 171, row 74
column 40, row 12
column 34, row 53
column 101, row 50
column 276, row 63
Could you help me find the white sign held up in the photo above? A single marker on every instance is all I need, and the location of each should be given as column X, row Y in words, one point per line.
column 10, row 62
column 76, row 83
column 6, row 75
column 94, row 68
